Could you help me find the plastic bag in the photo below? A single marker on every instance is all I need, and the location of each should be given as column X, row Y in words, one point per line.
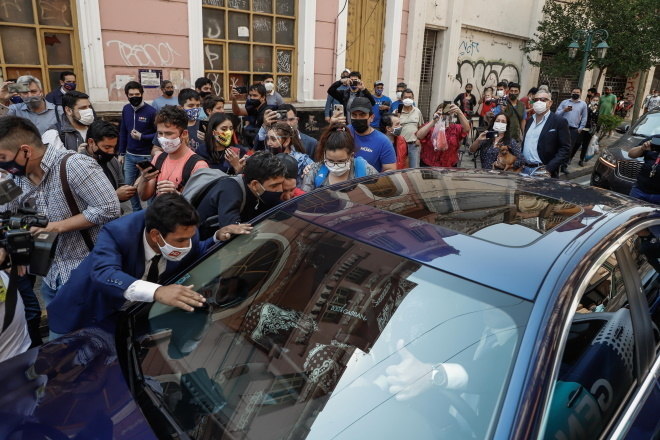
column 592, row 148
column 439, row 138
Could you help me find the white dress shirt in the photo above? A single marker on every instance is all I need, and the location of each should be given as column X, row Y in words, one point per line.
column 142, row 290
column 530, row 147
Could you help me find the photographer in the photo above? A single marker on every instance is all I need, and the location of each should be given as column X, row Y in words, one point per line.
column 69, row 189
column 14, row 339
column 647, row 187
column 355, row 89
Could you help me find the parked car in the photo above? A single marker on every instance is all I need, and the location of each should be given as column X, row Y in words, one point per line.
column 615, row 170
column 422, row 304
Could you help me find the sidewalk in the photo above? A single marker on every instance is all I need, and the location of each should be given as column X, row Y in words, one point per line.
column 575, row 171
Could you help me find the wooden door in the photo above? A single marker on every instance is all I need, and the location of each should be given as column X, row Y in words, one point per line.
column 364, row 39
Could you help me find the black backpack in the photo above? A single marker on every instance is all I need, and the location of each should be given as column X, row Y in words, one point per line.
column 187, row 168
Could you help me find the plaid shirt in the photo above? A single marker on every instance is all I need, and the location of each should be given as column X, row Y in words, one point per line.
column 94, row 195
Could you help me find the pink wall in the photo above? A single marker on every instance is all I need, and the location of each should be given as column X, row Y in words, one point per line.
column 404, row 39
column 326, row 38
column 144, row 39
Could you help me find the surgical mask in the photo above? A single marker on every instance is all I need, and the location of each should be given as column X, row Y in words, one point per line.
column 408, row 102
column 86, row 116
column 360, row 125
column 499, row 127
column 33, row 101
column 169, row 93
column 594, row 103
column 269, row 198
column 398, row 95
column 338, row 170
column 135, row 101
column 171, row 253
column 70, row 86
column 192, row 113
column 575, row 96
column 539, row 107
column 269, row 86
column 224, row 137
column 397, row 131
column 16, row 99
column 500, row 93
column 13, row 167
column 169, row 145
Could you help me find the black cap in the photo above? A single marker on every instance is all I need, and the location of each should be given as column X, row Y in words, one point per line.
column 362, row 105
column 655, row 140
column 290, row 165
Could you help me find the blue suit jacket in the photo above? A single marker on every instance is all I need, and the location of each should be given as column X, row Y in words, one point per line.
column 96, row 288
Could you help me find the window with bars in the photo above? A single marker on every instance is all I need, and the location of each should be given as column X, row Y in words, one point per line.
column 247, row 40
column 38, row 38
column 426, row 78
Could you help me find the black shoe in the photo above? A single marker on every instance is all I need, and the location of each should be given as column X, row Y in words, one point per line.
column 581, row 163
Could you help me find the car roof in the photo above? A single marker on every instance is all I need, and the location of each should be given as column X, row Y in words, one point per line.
column 499, row 229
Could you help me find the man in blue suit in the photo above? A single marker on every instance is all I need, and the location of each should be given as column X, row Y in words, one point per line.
column 130, row 256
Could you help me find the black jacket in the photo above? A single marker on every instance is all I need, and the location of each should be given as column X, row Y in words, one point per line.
column 344, row 95
column 554, row 146
column 69, row 135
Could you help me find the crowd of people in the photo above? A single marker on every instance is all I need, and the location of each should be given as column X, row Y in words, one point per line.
column 132, row 203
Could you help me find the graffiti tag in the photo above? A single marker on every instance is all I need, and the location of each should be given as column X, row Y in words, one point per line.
column 485, row 74
column 468, row 48
column 159, row 55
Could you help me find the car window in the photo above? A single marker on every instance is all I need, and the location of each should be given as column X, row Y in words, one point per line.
column 645, row 251
column 648, row 125
column 310, row 334
column 598, row 364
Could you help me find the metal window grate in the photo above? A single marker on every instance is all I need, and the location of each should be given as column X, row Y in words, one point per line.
column 426, row 80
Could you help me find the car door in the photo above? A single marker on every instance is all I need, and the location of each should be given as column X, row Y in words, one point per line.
column 607, row 353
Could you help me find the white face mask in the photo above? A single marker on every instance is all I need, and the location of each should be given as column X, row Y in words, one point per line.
column 398, row 95
column 540, row 107
column 499, row 127
column 500, row 93
column 169, row 145
column 269, row 86
column 336, row 170
column 408, row 102
column 86, row 116
column 171, row 253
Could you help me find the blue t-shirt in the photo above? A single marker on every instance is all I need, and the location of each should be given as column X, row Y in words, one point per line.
column 161, row 102
column 380, row 100
column 375, row 148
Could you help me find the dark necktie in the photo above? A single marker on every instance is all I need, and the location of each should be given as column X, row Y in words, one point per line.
column 152, row 275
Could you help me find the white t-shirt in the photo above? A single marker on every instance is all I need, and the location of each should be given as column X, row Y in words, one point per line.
column 16, row 339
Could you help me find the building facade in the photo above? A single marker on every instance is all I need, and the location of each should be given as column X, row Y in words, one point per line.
column 435, row 46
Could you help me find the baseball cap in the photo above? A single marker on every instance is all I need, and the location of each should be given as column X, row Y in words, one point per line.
column 655, row 140
column 379, row 83
column 362, row 105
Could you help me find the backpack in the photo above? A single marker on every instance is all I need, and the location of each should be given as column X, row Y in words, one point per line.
column 187, row 168
column 360, row 171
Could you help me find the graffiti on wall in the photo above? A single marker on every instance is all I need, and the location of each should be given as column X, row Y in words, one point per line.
column 484, row 74
column 468, row 48
column 161, row 55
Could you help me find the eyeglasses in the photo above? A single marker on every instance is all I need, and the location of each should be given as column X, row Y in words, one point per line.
column 541, row 99
column 332, row 163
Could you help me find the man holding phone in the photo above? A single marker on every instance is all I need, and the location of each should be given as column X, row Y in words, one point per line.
column 355, row 89
column 647, row 187
column 575, row 112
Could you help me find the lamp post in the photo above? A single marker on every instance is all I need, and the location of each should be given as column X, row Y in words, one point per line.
column 587, row 37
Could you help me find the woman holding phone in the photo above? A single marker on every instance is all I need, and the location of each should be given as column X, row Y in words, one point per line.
column 444, row 154
column 489, row 142
column 219, row 148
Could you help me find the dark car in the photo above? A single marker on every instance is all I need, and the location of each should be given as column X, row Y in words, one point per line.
column 418, row 304
column 614, row 169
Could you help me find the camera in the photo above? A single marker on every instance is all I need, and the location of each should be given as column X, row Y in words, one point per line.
column 23, row 248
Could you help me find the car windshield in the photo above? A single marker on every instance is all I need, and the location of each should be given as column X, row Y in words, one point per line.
column 648, row 125
column 311, row 335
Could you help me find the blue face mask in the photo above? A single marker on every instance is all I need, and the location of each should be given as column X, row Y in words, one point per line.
column 192, row 113
column 16, row 99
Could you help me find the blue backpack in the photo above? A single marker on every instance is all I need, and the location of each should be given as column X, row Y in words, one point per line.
column 360, row 171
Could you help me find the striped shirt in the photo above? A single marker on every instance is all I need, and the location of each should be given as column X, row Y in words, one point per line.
column 95, row 196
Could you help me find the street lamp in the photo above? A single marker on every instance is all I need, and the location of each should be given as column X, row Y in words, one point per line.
column 588, row 37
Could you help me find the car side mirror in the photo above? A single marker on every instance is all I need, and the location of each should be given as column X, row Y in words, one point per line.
column 623, row 128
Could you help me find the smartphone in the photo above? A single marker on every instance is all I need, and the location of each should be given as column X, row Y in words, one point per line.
column 446, row 106
column 203, row 126
column 569, row 107
column 242, row 90
column 355, row 83
column 281, row 115
column 147, row 165
column 338, row 108
column 490, row 134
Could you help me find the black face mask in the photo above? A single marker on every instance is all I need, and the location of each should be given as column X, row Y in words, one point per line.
column 360, row 125
column 135, row 101
column 269, row 198
column 204, row 94
column 13, row 167
column 102, row 157
column 169, row 92
column 575, row 96
column 513, row 97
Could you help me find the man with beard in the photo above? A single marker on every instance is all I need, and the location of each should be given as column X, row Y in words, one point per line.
column 34, row 107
